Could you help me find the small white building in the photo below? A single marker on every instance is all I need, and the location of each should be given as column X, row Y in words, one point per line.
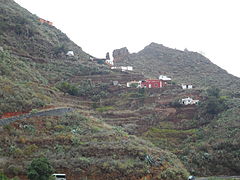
column 115, row 83
column 70, row 53
column 189, row 101
column 126, row 68
column 123, row 68
column 134, row 83
column 164, row 78
column 187, row 86
column 109, row 62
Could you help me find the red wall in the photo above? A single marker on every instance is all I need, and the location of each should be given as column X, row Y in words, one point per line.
column 154, row 83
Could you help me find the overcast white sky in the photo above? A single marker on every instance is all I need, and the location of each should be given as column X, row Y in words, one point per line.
column 100, row 26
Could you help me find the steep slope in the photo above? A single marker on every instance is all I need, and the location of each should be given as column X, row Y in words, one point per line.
column 206, row 145
column 33, row 63
column 22, row 88
column 84, row 148
column 23, row 34
column 183, row 66
column 33, row 59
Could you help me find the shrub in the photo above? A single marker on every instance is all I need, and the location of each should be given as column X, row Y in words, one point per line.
column 213, row 103
column 39, row 169
column 176, row 104
column 173, row 173
column 30, row 149
column 68, row 88
column 104, row 108
column 3, row 177
column 60, row 50
column 13, row 170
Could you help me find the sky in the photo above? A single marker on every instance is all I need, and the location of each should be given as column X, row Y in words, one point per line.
column 210, row 27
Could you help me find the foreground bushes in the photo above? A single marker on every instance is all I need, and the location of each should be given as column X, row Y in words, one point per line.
column 85, row 89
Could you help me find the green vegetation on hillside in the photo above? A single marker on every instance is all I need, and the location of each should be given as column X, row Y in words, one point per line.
column 34, row 70
column 86, row 89
column 40, row 169
column 18, row 82
column 88, row 143
column 213, row 147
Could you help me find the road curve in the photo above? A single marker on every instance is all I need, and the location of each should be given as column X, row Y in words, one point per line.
column 219, row 177
column 50, row 112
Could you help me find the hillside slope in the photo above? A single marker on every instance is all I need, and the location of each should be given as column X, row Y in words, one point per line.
column 33, row 63
column 22, row 33
column 182, row 66
column 33, row 59
column 206, row 145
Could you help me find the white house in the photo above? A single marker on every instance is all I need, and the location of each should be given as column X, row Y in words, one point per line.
column 189, row 101
column 134, row 83
column 70, row 53
column 187, row 86
column 109, row 62
column 164, row 78
column 126, row 68
column 123, row 68
column 115, row 83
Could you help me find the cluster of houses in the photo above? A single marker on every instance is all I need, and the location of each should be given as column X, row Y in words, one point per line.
column 110, row 63
column 161, row 82
column 150, row 83
column 189, row 101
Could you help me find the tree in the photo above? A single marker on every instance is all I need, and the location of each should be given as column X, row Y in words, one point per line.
column 39, row 169
column 213, row 91
column 213, row 103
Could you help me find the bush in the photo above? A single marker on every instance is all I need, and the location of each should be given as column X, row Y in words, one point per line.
column 104, row 108
column 176, row 104
column 86, row 88
column 60, row 50
column 213, row 103
column 68, row 88
column 39, row 169
column 172, row 173
column 3, row 177
column 13, row 170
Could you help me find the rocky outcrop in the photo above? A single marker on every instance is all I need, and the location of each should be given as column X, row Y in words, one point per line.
column 120, row 54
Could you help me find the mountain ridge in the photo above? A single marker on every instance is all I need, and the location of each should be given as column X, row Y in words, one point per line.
column 183, row 66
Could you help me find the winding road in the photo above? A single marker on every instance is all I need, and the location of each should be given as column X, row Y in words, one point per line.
column 219, row 177
column 50, row 112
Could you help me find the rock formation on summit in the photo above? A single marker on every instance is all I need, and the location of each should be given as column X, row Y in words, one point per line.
column 120, row 54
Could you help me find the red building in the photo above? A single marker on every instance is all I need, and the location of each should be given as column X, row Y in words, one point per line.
column 152, row 83
column 45, row 21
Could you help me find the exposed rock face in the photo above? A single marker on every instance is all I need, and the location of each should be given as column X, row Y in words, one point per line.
column 107, row 56
column 120, row 54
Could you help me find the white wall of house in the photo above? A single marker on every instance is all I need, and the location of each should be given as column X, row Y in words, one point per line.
column 189, row 101
column 187, row 86
column 110, row 62
column 164, row 78
column 123, row 68
column 70, row 53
